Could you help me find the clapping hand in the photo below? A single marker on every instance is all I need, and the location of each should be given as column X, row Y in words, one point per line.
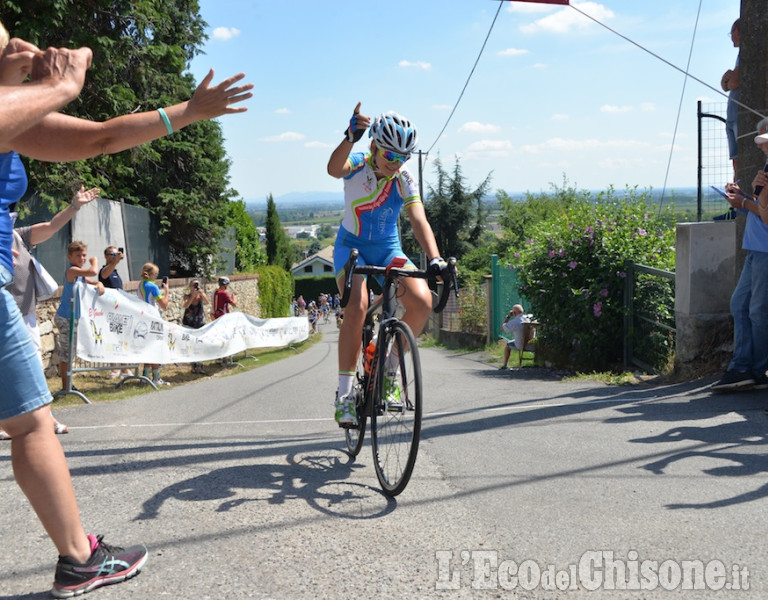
column 209, row 102
column 83, row 197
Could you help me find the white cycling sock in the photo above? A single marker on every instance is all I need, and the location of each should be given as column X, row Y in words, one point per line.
column 346, row 381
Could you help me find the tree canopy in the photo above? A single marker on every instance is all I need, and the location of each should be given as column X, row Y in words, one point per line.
column 142, row 50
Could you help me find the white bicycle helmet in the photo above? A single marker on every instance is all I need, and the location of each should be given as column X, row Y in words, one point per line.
column 394, row 132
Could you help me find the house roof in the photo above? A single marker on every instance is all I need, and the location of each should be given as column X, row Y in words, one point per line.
column 325, row 255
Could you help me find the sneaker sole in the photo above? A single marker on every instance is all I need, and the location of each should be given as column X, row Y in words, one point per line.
column 734, row 387
column 72, row 591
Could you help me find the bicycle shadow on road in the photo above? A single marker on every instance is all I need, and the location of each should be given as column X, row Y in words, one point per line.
column 317, row 476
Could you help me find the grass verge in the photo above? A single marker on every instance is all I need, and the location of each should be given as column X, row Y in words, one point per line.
column 99, row 387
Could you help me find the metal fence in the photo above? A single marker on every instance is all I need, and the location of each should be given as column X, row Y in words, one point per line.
column 649, row 338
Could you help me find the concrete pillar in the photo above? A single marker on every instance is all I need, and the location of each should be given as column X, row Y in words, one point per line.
column 705, row 276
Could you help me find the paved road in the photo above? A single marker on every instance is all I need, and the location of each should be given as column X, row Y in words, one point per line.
column 525, row 485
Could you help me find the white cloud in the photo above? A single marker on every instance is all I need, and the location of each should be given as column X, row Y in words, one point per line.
column 647, row 106
column 225, row 33
column 565, row 20
column 609, row 108
column 540, row 66
column 442, row 106
column 477, row 127
column 513, row 52
column 485, row 149
column 283, row 111
column 419, row 64
column 560, row 117
column 321, row 145
column 288, row 136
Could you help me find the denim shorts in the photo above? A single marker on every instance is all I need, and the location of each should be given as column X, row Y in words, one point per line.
column 21, row 374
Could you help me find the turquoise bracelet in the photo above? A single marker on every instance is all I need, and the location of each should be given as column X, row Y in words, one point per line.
column 166, row 120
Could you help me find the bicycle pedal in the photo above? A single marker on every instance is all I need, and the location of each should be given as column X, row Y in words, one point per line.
column 395, row 408
column 355, row 425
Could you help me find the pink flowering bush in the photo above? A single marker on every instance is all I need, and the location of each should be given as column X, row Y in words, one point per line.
column 573, row 270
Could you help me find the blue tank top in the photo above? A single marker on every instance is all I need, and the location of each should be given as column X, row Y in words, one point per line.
column 13, row 185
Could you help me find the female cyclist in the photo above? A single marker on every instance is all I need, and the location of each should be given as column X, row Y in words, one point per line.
column 376, row 187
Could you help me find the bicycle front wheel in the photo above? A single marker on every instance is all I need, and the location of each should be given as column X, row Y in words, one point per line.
column 396, row 414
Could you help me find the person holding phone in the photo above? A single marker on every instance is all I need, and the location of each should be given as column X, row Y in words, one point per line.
column 108, row 274
column 158, row 296
column 749, row 301
column 194, row 314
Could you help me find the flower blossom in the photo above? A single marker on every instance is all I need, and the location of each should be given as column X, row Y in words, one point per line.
column 597, row 308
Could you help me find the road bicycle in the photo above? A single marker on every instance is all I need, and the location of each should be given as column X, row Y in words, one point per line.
column 389, row 356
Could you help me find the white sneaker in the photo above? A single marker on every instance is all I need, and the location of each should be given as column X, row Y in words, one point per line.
column 160, row 382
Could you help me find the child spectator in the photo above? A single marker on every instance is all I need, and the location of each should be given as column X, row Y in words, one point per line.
column 149, row 291
column 77, row 254
column 222, row 299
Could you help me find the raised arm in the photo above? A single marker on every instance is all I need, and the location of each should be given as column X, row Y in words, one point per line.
column 62, row 138
column 337, row 165
column 41, row 232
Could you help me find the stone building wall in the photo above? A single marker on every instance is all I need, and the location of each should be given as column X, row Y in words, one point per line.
column 245, row 287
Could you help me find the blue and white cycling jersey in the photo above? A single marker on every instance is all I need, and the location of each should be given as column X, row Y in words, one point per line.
column 371, row 208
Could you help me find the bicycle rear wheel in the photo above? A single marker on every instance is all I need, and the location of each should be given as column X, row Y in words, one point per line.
column 395, row 431
column 354, row 436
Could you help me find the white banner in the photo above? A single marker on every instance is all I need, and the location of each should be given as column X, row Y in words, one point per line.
column 121, row 328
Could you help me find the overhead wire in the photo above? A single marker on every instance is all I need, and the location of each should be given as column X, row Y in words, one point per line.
column 665, row 61
column 464, row 89
column 679, row 109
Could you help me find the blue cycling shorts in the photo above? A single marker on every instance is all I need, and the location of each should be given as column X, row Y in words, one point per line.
column 377, row 253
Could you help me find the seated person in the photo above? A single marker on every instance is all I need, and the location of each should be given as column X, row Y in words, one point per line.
column 514, row 324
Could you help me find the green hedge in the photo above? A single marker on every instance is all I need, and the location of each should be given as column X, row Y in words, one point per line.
column 275, row 289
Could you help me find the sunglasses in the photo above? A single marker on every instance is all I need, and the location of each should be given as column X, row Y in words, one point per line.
column 393, row 157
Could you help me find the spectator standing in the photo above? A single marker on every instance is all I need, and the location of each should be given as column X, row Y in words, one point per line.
column 108, row 274
column 730, row 83
column 749, row 301
column 194, row 314
column 77, row 272
column 33, row 85
column 110, row 278
column 155, row 295
column 23, row 286
column 223, row 299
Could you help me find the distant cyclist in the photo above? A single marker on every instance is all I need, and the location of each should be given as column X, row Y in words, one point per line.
column 376, row 187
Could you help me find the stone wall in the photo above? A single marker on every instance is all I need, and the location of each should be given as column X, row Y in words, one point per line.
column 245, row 287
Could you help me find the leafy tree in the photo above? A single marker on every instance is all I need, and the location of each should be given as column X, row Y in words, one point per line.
column 248, row 251
column 142, row 49
column 279, row 251
column 454, row 212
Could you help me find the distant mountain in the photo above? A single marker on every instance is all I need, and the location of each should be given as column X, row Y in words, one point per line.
column 299, row 199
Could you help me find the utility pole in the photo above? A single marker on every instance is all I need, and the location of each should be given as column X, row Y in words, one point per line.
column 753, row 86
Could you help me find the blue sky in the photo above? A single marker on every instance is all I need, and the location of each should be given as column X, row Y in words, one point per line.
column 553, row 95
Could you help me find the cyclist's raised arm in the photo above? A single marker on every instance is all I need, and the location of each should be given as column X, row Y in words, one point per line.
column 338, row 165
